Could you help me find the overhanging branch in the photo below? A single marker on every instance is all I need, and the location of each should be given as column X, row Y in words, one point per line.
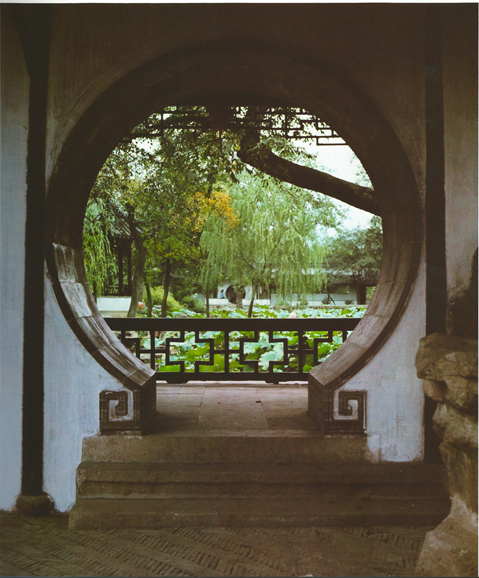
column 262, row 158
column 259, row 156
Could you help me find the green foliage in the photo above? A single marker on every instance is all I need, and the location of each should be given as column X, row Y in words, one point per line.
column 274, row 242
column 370, row 292
column 165, row 189
column 100, row 263
column 157, row 298
column 193, row 303
column 354, row 251
column 182, row 193
column 264, row 311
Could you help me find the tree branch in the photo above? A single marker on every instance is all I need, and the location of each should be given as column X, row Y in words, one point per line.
column 259, row 156
column 262, row 158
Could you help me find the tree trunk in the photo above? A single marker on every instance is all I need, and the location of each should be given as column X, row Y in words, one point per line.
column 137, row 284
column 149, row 299
column 239, row 298
column 207, row 302
column 250, row 310
column 166, row 288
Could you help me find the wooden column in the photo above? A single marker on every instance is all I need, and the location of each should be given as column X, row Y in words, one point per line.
column 436, row 282
column 33, row 27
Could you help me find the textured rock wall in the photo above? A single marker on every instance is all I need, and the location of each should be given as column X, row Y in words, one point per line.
column 448, row 366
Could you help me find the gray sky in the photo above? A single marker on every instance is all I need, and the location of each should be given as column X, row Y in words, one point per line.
column 340, row 161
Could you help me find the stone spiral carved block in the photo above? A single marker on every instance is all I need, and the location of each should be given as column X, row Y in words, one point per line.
column 350, row 420
column 119, row 411
column 346, row 409
column 128, row 410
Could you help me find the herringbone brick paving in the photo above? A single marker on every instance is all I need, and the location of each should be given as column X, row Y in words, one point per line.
column 46, row 547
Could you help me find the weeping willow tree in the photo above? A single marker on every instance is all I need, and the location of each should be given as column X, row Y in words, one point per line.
column 274, row 242
column 100, row 263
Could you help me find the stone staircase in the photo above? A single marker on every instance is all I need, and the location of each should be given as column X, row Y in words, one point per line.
column 247, row 479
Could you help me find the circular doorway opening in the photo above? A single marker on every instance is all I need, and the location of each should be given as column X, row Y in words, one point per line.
column 268, row 75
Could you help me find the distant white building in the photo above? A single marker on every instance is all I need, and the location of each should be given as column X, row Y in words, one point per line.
column 350, row 290
column 113, row 306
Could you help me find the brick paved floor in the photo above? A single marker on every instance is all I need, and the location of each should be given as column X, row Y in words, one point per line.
column 46, row 547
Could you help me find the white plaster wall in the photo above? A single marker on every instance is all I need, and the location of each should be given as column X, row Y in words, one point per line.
column 316, row 299
column 395, row 399
column 14, row 133
column 73, row 381
column 460, row 140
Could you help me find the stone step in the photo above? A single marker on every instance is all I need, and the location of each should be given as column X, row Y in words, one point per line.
column 260, row 447
column 362, row 473
column 250, row 479
column 244, row 491
column 328, row 509
column 112, row 479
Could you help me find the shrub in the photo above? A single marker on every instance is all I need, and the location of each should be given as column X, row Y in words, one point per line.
column 157, row 298
column 193, row 304
column 370, row 292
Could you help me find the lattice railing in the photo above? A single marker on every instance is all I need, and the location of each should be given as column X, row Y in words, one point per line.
column 271, row 350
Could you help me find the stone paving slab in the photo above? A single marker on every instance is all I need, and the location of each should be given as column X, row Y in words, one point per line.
column 192, row 407
column 46, row 547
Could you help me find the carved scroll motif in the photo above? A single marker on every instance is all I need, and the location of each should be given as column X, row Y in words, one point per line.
column 119, row 411
column 357, row 422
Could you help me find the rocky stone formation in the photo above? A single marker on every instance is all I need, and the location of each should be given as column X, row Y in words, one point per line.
column 448, row 366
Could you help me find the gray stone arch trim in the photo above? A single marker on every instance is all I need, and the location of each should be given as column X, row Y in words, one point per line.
column 214, row 71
